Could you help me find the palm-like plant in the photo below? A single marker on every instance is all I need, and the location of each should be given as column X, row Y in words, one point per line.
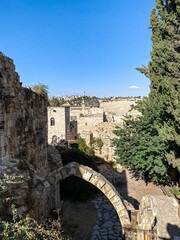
column 41, row 89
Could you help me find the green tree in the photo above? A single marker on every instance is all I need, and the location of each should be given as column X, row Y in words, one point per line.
column 139, row 145
column 164, row 72
column 163, row 103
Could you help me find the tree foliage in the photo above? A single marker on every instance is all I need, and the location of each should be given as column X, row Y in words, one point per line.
column 164, row 69
column 41, row 89
column 151, row 143
column 139, row 145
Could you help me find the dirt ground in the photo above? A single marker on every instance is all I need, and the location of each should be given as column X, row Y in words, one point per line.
column 128, row 184
column 78, row 218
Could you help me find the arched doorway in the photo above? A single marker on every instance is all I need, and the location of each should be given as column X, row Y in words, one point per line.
column 54, row 139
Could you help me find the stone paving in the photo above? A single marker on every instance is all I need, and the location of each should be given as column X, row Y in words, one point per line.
column 108, row 226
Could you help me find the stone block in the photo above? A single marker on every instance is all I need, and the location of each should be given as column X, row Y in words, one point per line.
column 86, row 176
column 59, row 177
column 94, row 179
column 63, row 172
column 46, row 184
column 8, row 92
column 119, row 207
column 81, row 171
column 4, row 160
column 115, row 199
column 106, row 188
column 1, row 117
column 110, row 194
column 165, row 210
column 176, row 238
column 2, row 142
column 100, row 183
column 2, row 152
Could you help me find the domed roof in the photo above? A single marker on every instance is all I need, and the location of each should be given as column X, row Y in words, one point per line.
column 94, row 103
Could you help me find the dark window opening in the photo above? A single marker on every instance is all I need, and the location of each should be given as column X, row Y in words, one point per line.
column 52, row 122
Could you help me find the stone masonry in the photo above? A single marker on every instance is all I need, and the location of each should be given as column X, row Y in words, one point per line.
column 61, row 126
column 23, row 119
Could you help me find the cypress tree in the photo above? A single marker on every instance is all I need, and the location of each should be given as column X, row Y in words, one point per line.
column 164, row 72
column 162, row 126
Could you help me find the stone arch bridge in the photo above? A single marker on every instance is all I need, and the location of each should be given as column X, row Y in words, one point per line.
column 97, row 180
column 153, row 210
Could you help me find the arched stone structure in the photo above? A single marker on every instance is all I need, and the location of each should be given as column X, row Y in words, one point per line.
column 97, row 180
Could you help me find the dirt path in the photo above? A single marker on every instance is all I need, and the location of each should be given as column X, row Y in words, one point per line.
column 127, row 184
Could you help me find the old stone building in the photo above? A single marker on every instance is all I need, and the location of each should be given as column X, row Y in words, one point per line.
column 58, row 124
column 87, row 122
column 68, row 122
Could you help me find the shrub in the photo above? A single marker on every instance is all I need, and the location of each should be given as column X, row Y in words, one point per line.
column 25, row 227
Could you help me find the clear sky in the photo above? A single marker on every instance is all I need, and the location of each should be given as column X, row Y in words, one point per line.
column 79, row 45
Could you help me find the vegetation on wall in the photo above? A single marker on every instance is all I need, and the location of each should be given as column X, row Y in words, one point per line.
column 23, row 227
column 81, row 145
column 97, row 142
column 151, row 143
column 41, row 89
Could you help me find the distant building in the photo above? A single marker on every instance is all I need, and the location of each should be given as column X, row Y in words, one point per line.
column 58, row 124
column 60, row 127
column 94, row 103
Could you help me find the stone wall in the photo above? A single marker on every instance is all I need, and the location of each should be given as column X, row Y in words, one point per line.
column 84, row 110
column 23, row 120
column 89, row 122
column 159, row 213
column 104, row 131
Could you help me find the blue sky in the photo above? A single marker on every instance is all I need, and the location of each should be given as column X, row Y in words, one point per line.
column 79, row 45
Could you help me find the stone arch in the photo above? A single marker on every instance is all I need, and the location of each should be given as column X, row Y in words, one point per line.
column 98, row 181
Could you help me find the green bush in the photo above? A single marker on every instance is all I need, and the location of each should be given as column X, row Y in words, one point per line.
column 24, row 227
column 81, row 145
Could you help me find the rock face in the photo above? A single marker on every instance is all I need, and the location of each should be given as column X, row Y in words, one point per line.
column 161, row 213
column 23, row 120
